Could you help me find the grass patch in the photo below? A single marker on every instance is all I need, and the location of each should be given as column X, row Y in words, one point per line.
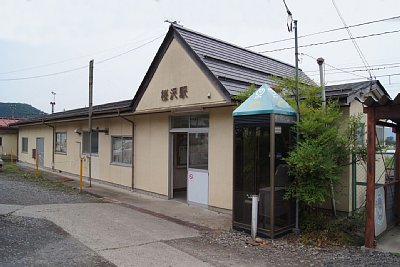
column 322, row 230
column 16, row 172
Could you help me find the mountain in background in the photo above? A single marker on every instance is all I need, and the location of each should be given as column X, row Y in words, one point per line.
column 18, row 111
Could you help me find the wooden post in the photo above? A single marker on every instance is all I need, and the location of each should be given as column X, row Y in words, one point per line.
column 397, row 176
column 37, row 164
column 80, row 175
column 370, row 202
column 90, row 118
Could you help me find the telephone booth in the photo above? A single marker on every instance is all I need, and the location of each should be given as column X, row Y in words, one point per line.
column 263, row 138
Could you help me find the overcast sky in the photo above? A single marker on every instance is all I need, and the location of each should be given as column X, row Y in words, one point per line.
column 43, row 37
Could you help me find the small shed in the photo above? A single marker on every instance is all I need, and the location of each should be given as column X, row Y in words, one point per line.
column 262, row 139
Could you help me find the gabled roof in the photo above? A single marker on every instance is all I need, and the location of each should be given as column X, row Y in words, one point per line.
column 348, row 91
column 231, row 68
column 98, row 110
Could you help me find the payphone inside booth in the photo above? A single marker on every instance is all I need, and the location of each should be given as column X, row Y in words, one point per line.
column 262, row 139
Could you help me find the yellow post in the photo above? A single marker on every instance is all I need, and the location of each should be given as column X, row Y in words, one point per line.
column 37, row 164
column 80, row 175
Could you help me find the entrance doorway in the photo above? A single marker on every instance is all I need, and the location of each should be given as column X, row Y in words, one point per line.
column 40, row 150
column 189, row 152
column 179, row 171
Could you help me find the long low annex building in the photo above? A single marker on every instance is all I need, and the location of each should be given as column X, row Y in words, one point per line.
column 175, row 138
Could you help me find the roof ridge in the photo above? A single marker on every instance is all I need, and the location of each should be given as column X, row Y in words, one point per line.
column 230, row 44
column 360, row 82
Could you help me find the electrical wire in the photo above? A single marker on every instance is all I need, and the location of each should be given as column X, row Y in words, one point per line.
column 81, row 67
column 358, row 68
column 322, row 32
column 333, row 67
column 68, row 59
column 357, row 47
column 345, row 80
column 332, row 41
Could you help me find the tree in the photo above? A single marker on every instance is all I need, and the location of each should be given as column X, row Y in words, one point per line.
column 326, row 142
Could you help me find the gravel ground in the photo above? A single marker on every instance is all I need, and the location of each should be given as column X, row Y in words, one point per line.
column 37, row 242
column 230, row 249
column 18, row 192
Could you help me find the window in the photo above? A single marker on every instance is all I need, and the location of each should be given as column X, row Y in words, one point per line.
column 360, row 134
column 25, row 144
column 61, row 142
column 1, row 141
column 198, row 151
column 190, row 121
column 95, row 143
column 121, row 150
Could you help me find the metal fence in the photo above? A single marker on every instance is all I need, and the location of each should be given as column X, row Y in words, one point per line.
column 384, row 176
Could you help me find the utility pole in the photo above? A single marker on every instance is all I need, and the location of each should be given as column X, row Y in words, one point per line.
column 296, row 229
column 290, row 20
column 90, row 119
column 53, row 102
column 320, row 62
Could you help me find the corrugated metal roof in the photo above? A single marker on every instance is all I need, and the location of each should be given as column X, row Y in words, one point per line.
column 236, row 67
column 108, row 108
column 347, row 89
column 4, row 122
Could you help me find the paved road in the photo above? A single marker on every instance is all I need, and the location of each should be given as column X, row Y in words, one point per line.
column 44, row 227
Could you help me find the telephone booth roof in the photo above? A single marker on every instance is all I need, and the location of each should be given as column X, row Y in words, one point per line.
column 264, row 101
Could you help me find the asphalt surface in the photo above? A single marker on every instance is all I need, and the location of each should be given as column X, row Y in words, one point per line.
column 26, row 241
column 37, row 242
column 42, row 225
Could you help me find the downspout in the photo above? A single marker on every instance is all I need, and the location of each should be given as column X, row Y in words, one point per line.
column 133, row 144
column 53, row 148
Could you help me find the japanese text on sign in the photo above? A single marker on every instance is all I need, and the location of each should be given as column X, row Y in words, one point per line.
column 172, row 94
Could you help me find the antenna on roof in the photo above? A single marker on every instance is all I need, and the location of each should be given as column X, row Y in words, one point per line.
column 173, row 22
column 53, row 102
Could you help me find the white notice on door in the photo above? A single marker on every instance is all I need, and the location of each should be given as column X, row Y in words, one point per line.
column 197, row 182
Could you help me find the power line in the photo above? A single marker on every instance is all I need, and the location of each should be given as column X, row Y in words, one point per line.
column 387, row 65
column 333, row 67
column 387, row 75
column 357, row 47
column 130, row 50
column 81, row 67
column 44, row 75
column 332, row 41
column 357, row 70
column 68, row 59
column 326, row 31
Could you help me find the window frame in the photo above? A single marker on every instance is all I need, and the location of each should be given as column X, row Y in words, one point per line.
column 121, row 137
column 95, row 154
column 66, row 143
column 22, row 145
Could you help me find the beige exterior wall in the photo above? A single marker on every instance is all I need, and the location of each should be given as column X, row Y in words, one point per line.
column 177, row 69
column 343, row 190
column 9, row 144
column 151, row 161
column 33, row 132
column 102, row 167
column 220, row 160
